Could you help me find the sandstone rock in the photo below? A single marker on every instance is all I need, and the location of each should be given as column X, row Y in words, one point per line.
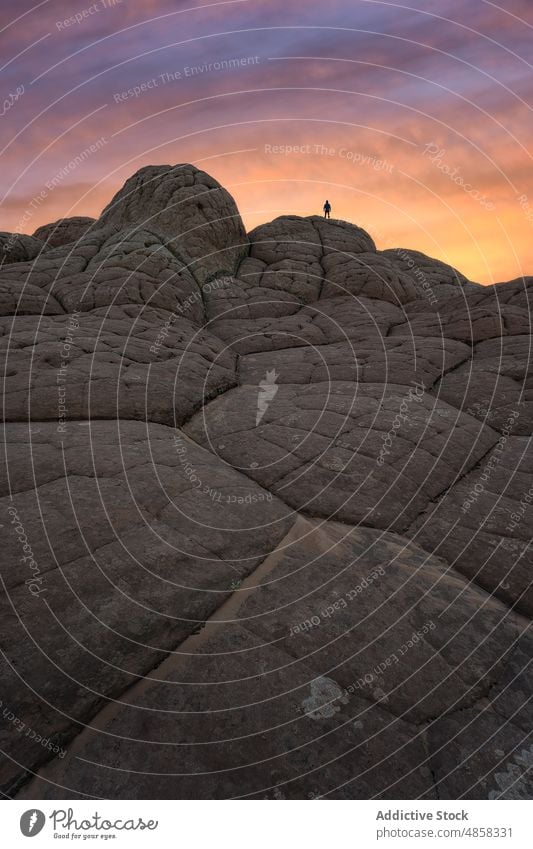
column 16, row 247
column 106, row 268
column 197, row 217
column 267, row 503
column 494, row 383
column 273, row 718
column 482, row 524
column 133, row 569
column 331, row 450
column 25, row 299
column 431, row 278
column 65, row 231
column 369, row 274
column 106, row 366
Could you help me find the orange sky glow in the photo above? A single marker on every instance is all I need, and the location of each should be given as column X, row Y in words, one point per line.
column 414, row 120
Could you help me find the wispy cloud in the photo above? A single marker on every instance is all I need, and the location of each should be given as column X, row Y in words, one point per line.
column 379, row 79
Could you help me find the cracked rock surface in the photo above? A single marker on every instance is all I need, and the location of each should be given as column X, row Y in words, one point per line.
column 16, row 247
column 267, row 510
column 65, row 231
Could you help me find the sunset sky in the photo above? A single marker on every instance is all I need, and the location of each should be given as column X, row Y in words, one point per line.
column 414, row 119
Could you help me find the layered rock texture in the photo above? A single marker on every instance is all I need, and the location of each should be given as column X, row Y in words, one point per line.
column 267, row 510
column 63, row 232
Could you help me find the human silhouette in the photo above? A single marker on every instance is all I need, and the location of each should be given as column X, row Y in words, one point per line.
column 327, row 209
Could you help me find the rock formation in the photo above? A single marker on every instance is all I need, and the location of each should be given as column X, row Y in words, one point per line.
column 65, row 231
column 16, row 247
column 266, row 508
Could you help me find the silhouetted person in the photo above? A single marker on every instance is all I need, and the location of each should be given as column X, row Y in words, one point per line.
column 327, row 209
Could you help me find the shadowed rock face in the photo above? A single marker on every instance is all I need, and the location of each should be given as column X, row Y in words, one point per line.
column 267, row 509
column 15, row 247
column 64, row 231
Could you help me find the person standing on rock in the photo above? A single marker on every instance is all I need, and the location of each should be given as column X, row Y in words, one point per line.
column 327, row 209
